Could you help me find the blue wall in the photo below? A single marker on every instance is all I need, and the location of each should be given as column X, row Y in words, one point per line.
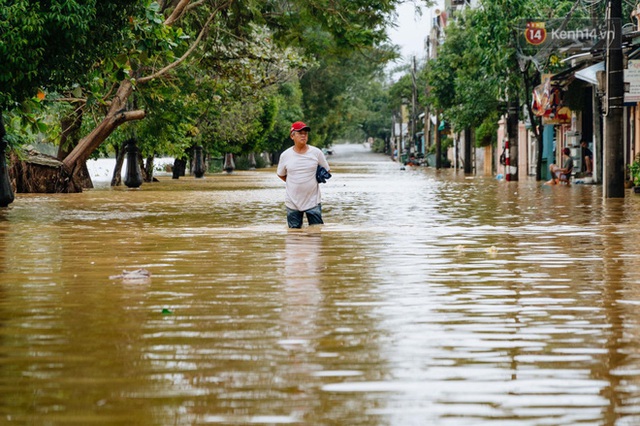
column 548, row 147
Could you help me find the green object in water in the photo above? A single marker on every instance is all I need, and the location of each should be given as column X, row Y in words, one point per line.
column 166, row 311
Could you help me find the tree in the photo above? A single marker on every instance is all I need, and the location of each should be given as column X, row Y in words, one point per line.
column 148, row 43
column 331, row 89
column 369, row 111
column 51, row 44
column 162, row 36
column 288, row 103
column 479, row 68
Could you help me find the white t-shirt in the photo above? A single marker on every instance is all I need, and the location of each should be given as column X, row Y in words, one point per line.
column 303, row 191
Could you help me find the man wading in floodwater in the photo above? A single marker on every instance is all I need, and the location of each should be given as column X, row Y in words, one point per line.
column 297, row 168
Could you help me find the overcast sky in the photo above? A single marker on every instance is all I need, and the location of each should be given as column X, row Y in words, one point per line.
column 412, row 29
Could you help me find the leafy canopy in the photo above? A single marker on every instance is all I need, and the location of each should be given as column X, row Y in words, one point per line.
column 54, row 43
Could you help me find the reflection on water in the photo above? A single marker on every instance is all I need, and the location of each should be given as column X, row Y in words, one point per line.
column 427, row 298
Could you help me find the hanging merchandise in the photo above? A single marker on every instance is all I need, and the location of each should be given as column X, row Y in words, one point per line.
column 548, row 104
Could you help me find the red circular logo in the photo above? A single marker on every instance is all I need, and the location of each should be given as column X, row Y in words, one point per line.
column 535, row 33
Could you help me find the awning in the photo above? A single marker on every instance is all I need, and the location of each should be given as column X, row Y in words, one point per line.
column 565, row 77
column 589, row 73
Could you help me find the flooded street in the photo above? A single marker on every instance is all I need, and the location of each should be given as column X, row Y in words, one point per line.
column 428, row 298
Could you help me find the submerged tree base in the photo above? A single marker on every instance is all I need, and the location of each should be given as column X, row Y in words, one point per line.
column 37, row 173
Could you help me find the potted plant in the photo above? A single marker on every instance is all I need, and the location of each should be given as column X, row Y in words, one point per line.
column 634, row 174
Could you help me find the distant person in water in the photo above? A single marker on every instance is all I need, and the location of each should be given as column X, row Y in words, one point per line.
column 562, row 174
column 587, row 157
column 413, row 161
column 297, row 167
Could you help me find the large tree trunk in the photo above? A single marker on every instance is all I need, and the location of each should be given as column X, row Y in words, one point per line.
column 179, row 168
column 148, row 169
column 69, row 138
column 116, row 180
column 6, row 191
column 34, row 172
column 39, row 173
column 83, row 177
column 64, row 177
column 116, row 116
column 143, row 168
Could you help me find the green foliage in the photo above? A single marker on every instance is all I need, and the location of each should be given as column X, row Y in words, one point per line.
column 228, row 101
column 288, row 101
column 52, row 43
column 350, row 25
column 446, row 142
column 345, row 43
column 261, row 66
column 478, row 67
column 243, row 162
column 333, row 89
column 634, row 171
column 460, row 84
column 367, row 113
column 401, row 91
column 378, row 145
column 487, row 131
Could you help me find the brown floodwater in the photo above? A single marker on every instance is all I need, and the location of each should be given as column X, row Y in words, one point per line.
column 428, row 298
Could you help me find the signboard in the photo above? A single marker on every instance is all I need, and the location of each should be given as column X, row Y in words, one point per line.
column 632, row 77
column 561, row 115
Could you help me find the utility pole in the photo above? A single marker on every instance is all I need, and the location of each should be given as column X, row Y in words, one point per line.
column 427, row 123
column 402, row 142
column 512, row 132
column 613, row 171
column 427, row 109
column 393, row 143
column 468, row 146
column 414, row 96
column 438, row 142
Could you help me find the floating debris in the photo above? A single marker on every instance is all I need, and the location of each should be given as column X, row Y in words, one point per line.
column 137, row 275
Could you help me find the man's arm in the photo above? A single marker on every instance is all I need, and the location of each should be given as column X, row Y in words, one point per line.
column 323, row 162
column 281, row 171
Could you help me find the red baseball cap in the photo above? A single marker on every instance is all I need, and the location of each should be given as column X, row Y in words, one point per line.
column 298, row 126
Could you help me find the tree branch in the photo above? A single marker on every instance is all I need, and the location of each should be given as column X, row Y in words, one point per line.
column 117, row 115
column 177, row 12
column 71, row 100
column 195, row 4
column 132, row 115
column 189, row 51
